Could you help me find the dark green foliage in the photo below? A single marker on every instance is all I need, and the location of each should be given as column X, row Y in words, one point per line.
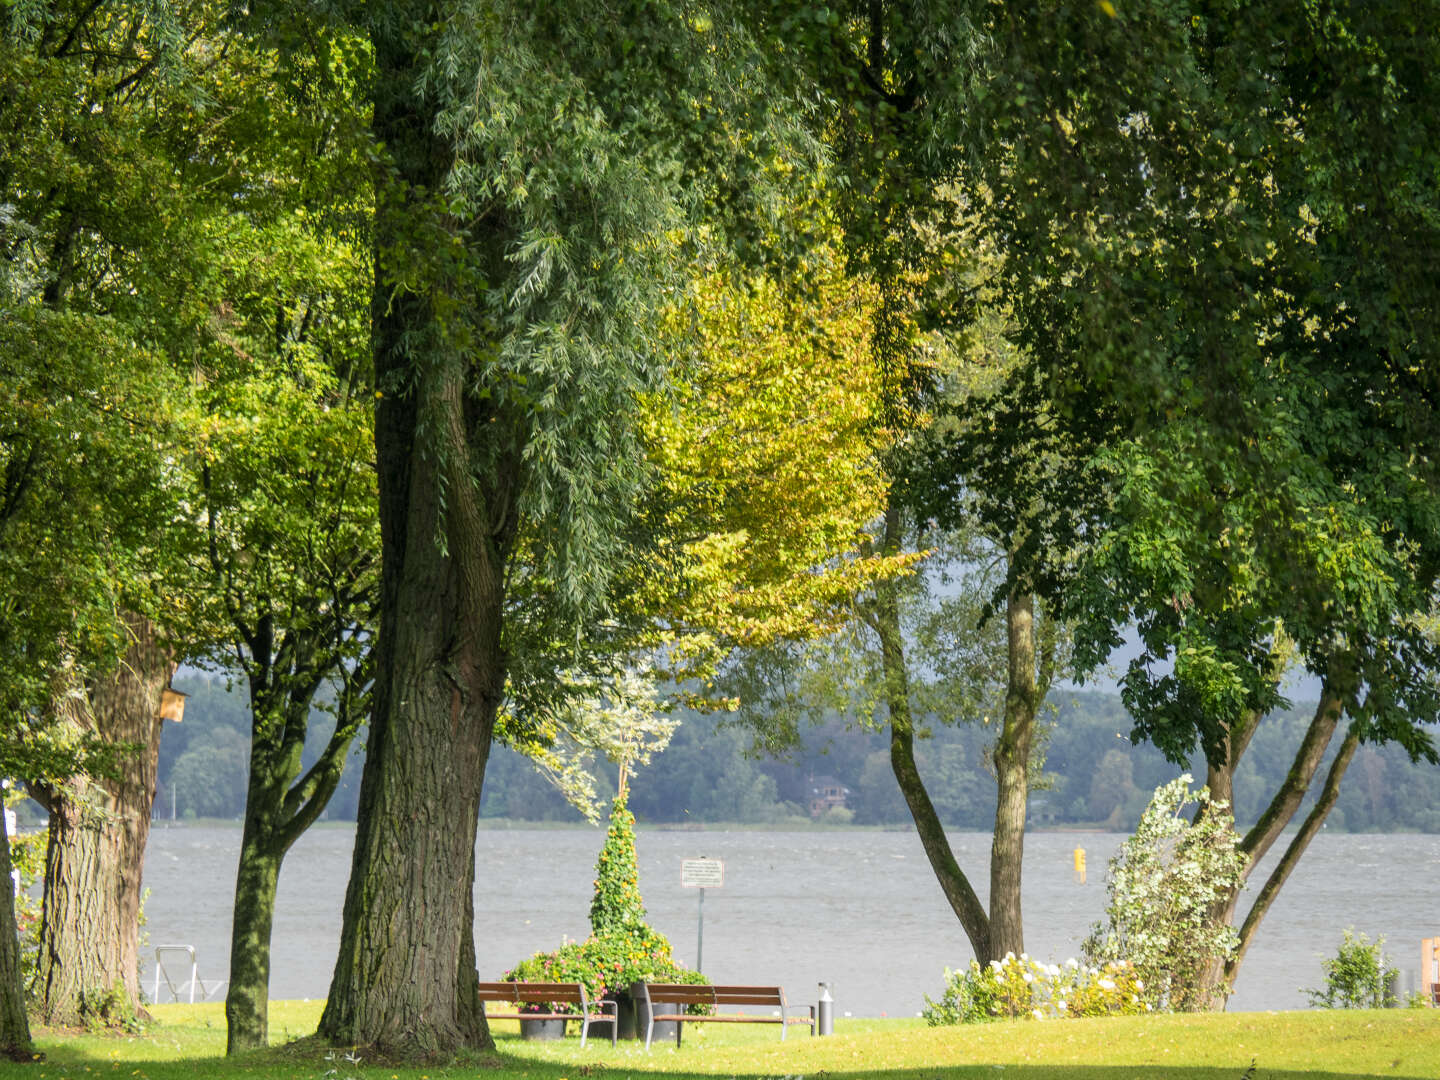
column 705, row 774
column 109, row 1010
column 209, row 779
column 1210, row 246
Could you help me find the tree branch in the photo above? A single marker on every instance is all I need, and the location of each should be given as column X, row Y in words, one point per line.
column 1286, row 801
column 1312, row 825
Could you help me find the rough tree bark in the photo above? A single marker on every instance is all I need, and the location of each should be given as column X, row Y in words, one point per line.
column 90, row 921
column 405, row 979
column 14, row 1024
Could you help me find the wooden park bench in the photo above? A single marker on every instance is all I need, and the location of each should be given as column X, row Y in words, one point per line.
column 538, row 993
column 668, row 1001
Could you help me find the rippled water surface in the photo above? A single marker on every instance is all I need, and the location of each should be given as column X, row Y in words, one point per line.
column 860, row 910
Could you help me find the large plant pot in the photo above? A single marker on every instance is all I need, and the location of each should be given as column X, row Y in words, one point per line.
column 543, row 1028
column 634, row 1015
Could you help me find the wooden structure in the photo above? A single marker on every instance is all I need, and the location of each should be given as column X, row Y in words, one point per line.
column 172, row 705
column 1430, row 969
column 548, row 996
column 670, row 1001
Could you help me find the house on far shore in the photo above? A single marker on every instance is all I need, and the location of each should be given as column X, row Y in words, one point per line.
column 826, row 793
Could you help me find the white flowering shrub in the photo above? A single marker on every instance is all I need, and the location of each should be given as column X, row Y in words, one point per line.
column 1167, row 884
column 1023, row 987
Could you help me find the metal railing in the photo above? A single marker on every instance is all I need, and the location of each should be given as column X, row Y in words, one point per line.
column 194, row 982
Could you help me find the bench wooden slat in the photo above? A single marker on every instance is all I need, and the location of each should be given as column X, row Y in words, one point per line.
column 749, row 999
column 673, row 994
column 602, row 1012
column 730, row 1018
column 517, row 991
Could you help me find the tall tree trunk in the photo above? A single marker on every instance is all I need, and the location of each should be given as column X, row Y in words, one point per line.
column 1220, row 772
column 405, row 978
column 90, row 924
column 1012, row 776
column 247, row 1000
column 278, row 810
column 1215, row 983
column 953, row 883
column 885, row 620
column 14, row 1024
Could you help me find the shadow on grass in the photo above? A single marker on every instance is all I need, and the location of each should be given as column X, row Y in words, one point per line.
column 189, row 1044
column 88, row 1059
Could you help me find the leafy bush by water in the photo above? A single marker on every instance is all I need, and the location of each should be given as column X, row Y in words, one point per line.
column 1019, row 986
column 1354, row 977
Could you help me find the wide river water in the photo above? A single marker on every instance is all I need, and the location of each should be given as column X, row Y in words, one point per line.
column 860, row 910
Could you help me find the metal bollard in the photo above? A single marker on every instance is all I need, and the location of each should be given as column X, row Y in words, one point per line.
column 1407, row 985
column 825, row 1012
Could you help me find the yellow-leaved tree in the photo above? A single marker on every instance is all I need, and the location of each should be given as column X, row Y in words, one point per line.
column 769, row 450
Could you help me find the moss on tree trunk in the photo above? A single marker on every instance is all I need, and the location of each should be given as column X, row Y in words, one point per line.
column 247, row 999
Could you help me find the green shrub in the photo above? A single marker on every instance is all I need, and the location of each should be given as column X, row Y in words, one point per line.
column 604, row 965
column 104, row 1009
column 1354, row 977
column 1022, row 987
column 616, row 905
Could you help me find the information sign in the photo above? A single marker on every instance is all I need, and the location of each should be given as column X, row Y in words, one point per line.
column 702, row 873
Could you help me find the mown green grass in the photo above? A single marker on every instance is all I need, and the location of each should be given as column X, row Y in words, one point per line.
column 187, row 1042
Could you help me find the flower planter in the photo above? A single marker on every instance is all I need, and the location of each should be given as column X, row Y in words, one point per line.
column 543, row 1028
column 633, row 1016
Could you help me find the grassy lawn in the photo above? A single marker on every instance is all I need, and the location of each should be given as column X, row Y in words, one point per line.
column 188, row 1041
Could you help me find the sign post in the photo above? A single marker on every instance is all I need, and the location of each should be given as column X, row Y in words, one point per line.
column 701, row 874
